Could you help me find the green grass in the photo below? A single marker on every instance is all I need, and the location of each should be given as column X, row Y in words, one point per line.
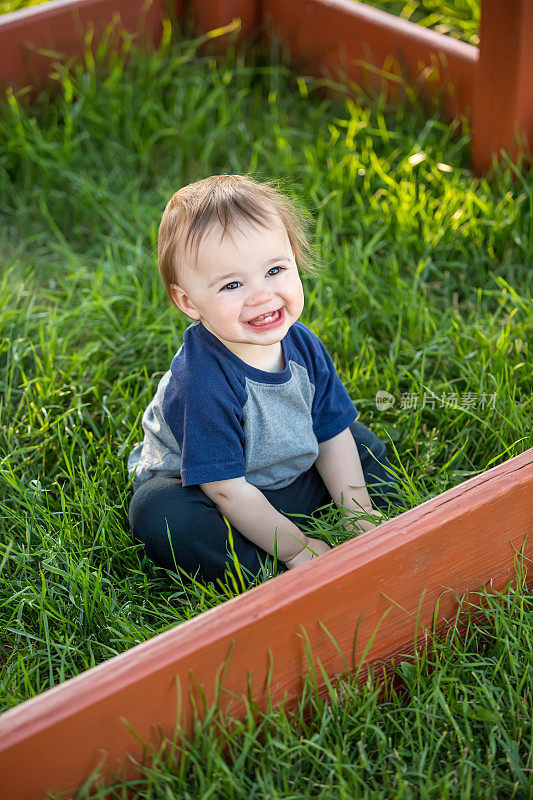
column 15, row 5
column 458, row 18
column 426, row 291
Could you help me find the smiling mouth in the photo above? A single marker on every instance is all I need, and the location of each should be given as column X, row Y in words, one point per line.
column 265, row 319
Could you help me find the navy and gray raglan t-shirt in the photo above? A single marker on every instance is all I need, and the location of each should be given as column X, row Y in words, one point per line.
column 214, row 417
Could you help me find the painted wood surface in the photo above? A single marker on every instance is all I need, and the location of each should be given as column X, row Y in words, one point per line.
column 503, row 104
column 347, row 35
column 60, row 26
column 414, row 566
column 336, row 39
column 327, row 36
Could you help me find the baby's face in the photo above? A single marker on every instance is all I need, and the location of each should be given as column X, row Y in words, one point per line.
column 239, row 278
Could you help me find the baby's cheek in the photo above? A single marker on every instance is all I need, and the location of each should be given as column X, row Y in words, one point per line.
column 298, row 294
column 231, row 308
column 224, row 301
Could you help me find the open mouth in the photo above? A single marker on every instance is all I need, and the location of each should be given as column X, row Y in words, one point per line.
column 269, row 320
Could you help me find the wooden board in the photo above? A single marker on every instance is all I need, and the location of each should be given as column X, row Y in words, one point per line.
column 59, row 26
column 368, row 44
column 503, row 85
column 327, row 35
column 342, row 40
column 380, row 582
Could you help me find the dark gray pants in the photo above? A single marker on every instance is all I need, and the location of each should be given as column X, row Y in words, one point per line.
column 197, row 530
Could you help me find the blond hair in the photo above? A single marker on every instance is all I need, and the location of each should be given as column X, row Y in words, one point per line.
column 226, row 200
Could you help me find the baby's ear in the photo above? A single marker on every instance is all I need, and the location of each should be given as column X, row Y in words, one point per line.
column 172, row 291
column 182, row 301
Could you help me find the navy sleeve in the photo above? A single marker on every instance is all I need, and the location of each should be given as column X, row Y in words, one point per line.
column 206, row 420
column 333, row 410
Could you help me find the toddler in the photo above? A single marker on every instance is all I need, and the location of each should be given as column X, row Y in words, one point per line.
column 251, row 421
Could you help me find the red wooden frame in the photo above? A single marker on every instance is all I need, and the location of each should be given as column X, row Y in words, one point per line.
column 59, row 26
column 503, row 105
column 491, row 85
column 406, row 572
column 463, row 539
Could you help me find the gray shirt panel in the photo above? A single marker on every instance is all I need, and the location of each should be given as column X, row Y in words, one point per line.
column 278, row 427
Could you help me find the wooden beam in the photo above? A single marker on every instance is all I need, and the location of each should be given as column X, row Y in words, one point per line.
column 366, row 43
column 503, row 105
column 459, row 541
column 59, row 26
column 212, row 14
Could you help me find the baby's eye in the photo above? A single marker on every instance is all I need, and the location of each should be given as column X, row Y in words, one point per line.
column 231, row 286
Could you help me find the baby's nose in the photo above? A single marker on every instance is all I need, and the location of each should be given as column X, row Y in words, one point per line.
column 259, row 296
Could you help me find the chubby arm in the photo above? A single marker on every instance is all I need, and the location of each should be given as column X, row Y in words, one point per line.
column 247, row 508
column 339, row 466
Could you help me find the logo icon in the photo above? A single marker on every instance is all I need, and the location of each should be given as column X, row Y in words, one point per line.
column 384, row 400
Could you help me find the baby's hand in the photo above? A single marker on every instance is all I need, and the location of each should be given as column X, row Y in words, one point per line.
column 315, row 548
column 350, row 523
